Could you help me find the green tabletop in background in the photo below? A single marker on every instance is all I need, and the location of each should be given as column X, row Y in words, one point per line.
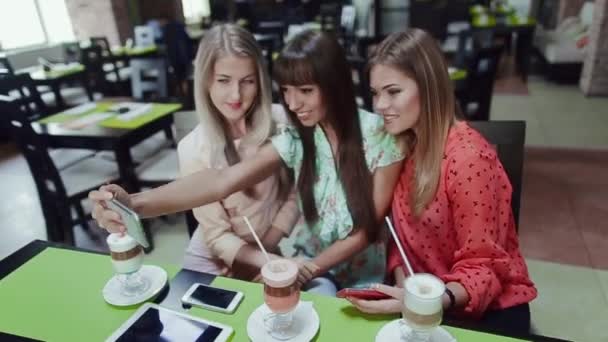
column 134, row 51
column 478, row 20
column 56, row 73
column 515, row 20
column 158, row 110
column 457, row 74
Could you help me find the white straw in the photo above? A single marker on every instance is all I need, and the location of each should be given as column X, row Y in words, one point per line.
column 405, row 260
column 257, row 239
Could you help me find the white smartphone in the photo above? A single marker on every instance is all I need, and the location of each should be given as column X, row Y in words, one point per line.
column 152, row 322
column 212, row 298
column 131, row 221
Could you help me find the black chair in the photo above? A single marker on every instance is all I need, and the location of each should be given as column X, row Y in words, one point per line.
column 476, row 100
column 103, row 73
column 102, row 42
column 5, row 66
column 24, row 94
column 191, row 222
column 92, row 58
column 112, row 62
column 22, row 90
column 358, row 68
column 330, row 16
column 429, row 15
column 149, row 78
column 61, row 192
column 71, row 52
column 509, row 138
column 269, row 43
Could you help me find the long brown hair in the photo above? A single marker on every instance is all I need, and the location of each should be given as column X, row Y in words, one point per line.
column 317, row 58
column 417, row 55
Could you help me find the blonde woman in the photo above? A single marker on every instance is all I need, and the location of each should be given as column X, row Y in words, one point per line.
column 233, row 104
column 452, row 205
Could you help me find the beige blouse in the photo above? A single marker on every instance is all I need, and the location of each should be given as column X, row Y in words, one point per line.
column 224, row 230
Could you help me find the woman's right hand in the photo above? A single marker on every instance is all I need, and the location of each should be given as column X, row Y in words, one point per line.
column 307, row 270
column 105, row 217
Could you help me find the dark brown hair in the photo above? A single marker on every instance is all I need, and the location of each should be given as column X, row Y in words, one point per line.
column 317, row 58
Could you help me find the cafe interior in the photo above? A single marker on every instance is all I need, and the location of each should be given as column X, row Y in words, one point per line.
column 94, row 92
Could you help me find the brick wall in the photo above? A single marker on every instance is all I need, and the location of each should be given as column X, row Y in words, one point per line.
column 100, row 18
column 568, row 8
column 594, row 77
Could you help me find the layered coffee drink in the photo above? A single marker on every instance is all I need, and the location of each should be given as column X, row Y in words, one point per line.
column 126, row 253
column 281, row 295
column 423, row 309
column 281, row 292
column 127, row 257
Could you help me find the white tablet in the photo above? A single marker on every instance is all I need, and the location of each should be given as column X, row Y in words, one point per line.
column 156, row 323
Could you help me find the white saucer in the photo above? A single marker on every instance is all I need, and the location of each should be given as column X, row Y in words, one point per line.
column 305, row 320
column 392, row 332
column 157, row 277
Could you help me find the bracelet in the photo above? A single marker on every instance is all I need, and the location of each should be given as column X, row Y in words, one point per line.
column 452, row 298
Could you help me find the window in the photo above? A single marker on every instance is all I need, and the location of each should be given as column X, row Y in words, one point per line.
column 34, row 22
column 194, row 10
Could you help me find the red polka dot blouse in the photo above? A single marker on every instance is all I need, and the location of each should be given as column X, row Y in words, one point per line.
column 467, row 233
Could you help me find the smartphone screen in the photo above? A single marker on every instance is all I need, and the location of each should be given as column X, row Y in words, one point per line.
column 212, row 296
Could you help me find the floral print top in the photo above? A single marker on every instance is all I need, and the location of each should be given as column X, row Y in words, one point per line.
column 335, row 222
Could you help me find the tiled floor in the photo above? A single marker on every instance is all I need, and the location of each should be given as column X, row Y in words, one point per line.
column 564, row 229
column 565, row 243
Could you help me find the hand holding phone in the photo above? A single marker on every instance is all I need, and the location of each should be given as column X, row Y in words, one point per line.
column 131, row 221
column 368, row 294
column 212, row 298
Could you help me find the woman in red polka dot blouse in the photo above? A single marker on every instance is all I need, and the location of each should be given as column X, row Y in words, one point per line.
column 452, row 206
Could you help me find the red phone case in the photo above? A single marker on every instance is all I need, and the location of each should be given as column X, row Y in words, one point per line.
column 362, row 294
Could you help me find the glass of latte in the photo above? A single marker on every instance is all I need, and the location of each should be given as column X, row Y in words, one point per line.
column 281, row 295
column 127, row 257
column 422, row 309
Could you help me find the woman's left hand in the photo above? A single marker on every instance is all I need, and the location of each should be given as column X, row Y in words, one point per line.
column 382, row 306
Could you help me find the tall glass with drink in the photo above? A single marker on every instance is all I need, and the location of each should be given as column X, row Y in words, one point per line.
column 127, row 258
column 422, row 309
column 281, row 295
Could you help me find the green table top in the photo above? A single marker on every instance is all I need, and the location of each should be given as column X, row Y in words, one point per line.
column 457, row 74
column 56, row 296
column 38, row 73
column 515, row 20
column 339, row 320
column 484, row 20
column 477, row 9
column 158, row 110
column 56, row 73
column 134, row 51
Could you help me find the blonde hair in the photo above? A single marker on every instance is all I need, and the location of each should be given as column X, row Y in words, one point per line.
column 221, row 41
column 416, row 54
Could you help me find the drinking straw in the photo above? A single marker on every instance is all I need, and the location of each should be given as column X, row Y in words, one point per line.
column 403, row 256
column 257, row 239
